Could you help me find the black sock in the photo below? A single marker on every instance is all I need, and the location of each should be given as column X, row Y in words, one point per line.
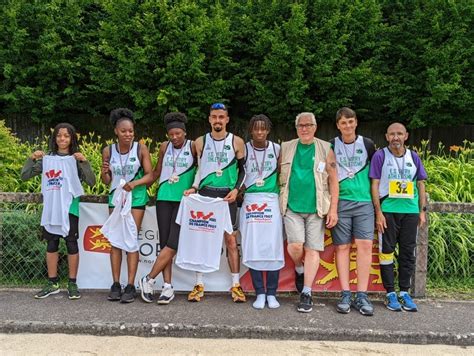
column 54, row 279
column 72, row 280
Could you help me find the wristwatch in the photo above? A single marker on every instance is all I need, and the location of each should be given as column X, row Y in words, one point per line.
column 423, row 208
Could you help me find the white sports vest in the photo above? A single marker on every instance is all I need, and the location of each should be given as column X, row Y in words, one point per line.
column 218, row 166
column 203, row 221
column 59, row 184
column 396, row 168
column 261, row 229
column 120, row 228
column 255, row 170
column 351, row 158
column 176, row 161
column 125, row 166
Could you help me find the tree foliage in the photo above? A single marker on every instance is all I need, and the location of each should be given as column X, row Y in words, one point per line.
column 390, row 60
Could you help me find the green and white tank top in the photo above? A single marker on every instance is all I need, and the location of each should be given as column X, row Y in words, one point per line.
column 397, row 188
column 177, row 172
column 218, row 167
column 261, row 168
column 128, row 167
column 353, row 170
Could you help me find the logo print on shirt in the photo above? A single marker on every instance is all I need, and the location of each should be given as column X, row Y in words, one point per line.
column 55, row 179
column 258, row 213
column 202, row 221
column 256, row 207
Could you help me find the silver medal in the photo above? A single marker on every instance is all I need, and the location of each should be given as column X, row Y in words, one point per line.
column 350, row 174
column 259, row 182
column 404, row 185
column 219, row 173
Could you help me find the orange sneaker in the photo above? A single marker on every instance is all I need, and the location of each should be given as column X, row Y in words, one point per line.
column 238, row 295
column 196, row 294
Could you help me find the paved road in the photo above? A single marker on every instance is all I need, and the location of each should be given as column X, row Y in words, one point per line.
column 437, row 322
column 60, row 344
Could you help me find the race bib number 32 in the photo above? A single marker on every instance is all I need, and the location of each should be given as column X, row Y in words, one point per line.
column 401, row 189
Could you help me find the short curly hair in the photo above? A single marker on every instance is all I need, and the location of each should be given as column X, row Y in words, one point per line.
column 260, row 117
column 120, row 114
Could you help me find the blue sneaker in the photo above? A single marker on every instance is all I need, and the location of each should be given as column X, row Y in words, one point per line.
column 391, row 302
column 407, row 303
column 344, row 304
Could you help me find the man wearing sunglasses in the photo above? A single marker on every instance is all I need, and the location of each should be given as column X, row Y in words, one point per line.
column 221, row 172
column 309, row 193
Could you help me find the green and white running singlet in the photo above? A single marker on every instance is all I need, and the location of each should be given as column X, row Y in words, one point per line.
column 261, row 168
column 398, row 190
column 218, row 167
column 128, row 167
column 353, row 161
column 177, row 172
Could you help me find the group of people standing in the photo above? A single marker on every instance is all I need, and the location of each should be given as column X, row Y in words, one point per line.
column 298, row 189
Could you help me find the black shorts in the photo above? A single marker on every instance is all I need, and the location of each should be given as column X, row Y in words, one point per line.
column 73, row 231
column 166, row 212
column 221, row 193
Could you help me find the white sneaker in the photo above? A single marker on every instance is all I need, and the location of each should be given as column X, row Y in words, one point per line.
column 166, row 296
column 146, row 289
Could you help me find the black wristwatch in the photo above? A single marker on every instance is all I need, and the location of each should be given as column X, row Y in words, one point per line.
column 423, row 208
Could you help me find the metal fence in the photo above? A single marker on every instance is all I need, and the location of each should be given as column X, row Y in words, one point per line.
column 445, row 248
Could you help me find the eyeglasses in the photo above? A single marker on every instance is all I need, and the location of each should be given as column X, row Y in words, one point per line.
column 304, row 126
column 218, row 106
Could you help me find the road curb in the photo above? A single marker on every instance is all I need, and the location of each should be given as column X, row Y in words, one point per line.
column 235, row 332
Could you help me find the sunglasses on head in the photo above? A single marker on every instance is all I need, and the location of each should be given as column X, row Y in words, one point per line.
column 218, row 106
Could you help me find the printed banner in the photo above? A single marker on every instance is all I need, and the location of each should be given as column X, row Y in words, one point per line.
column 95, row 272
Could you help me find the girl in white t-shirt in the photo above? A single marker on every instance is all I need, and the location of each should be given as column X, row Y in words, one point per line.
column 63, row 143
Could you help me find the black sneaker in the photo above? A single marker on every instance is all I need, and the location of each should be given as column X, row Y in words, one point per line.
column 115, row 292
column 299, row 281
column 306, row 303
column 129, row 294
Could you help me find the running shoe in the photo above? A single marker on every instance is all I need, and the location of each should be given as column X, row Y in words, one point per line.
column 166, row 296
column 49, row 289
column 73, row 291
column 344, row 305
column 115, row 292
column 146, row 289
column 238, row 295
column 128, row 295
column 196, row 294
column 363, row 304
column 407, row 303
column 306, row 303
column 391, row 302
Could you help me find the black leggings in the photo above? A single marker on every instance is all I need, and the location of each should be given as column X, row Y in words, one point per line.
column 166, row 212
column 401, row 229
column 71, row 239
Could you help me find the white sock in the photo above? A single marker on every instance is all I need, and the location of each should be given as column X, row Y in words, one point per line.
column 299, row 269
column 259, row 302
column 272, row 302
column 149, row 279
column 199, row 278
column 167, row 286
column 235, row 278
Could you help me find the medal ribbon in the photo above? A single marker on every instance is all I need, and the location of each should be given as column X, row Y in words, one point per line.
column 122, row 166
column 348, row 169
column 175, row 159
column 259, row 168
column 218, row 158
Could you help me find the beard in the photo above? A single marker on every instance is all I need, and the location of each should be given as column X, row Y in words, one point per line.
column 217, row 128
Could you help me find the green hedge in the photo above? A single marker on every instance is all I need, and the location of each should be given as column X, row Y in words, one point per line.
column 393, row 60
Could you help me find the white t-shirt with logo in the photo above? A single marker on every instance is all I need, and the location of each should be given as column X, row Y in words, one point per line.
column 203, row 221
column 262, row 233
column 59, row 184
